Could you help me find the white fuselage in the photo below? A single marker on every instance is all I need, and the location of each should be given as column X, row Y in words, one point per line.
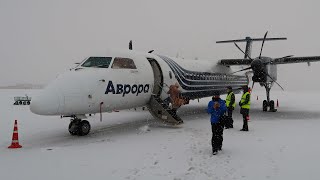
column 85, row 90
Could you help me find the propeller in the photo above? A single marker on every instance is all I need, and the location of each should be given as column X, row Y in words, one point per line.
column 242, row 70
column 259, row 61
column 275, row 82
column 244, row 54
column 150, row 51
column 282, row 58
column 285, row 57
column 243, row 51
column 264, row 38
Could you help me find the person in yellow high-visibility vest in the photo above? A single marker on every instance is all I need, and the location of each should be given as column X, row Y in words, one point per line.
column 231, row 104
column 245, row 107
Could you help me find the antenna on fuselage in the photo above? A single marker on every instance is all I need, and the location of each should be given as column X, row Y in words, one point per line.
column 130, row 45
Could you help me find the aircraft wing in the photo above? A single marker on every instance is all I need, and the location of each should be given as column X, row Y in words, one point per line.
column 284, row 60
column 234, row 62
column 290, row 60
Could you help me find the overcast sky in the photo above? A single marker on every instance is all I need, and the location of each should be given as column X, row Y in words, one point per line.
column 39, row 39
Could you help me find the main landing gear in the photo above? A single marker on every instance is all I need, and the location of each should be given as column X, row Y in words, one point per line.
column 79, row 127
column 267, row 103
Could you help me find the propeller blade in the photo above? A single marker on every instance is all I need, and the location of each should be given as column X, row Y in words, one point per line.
column 276, row 59
column 275, row 82
column 242, row 70
column 130, row 45
column 150, row 51
column 285, row 57
column 279, row 59
column 264, row 38
column 242, row 51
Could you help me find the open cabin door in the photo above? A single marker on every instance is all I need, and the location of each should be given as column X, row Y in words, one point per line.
column 158, row 77
column 156, row 106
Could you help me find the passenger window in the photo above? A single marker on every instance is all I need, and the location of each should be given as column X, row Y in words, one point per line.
column 100, row 62
column 123, row 63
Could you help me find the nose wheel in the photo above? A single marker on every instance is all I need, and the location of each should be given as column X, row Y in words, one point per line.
column 265, row 106
column 79, row 127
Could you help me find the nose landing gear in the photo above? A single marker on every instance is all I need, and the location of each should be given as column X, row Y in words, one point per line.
column 79, row 127
column 267, row 103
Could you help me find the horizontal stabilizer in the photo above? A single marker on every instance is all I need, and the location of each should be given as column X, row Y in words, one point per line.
column 234, row 62
column 290, row 60
column 251, row 39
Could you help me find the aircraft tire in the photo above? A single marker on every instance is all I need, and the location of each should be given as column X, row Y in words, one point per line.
column 265, row 105
column 20, row 102
column 84, row 128
column 271, row 105
column 28, row 102
column 73, row 130
column 24, row 103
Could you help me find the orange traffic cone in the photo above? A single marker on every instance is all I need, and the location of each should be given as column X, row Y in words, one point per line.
column 15, row 137
column 277, row 103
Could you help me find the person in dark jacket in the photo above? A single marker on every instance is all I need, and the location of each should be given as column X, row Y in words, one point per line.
column 245, row 107
column 217, row 109
column 231, row 104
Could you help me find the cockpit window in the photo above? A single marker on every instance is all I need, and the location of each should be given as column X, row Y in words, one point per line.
column 123, row 63
column 100, row 62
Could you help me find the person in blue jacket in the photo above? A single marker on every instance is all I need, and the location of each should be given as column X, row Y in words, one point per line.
column 217, row 108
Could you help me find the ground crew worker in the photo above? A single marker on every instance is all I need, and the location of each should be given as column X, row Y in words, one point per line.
column 231, row 104
column 245, row 107
column 217, row 109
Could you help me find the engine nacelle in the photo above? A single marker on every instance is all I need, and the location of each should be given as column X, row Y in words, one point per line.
column 262, row 68
column 259, row 71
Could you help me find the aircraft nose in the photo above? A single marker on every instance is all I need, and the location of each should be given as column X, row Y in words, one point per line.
column 45, row 103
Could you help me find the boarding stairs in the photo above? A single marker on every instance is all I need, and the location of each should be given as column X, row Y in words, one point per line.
column 162, row 111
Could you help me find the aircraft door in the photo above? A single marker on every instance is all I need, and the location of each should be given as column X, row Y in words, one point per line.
column 158, row 77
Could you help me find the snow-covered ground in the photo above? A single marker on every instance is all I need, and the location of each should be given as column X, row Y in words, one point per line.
column 131, row 145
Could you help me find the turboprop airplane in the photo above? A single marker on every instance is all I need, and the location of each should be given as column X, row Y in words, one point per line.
column 264, row 69
column 128, row 79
